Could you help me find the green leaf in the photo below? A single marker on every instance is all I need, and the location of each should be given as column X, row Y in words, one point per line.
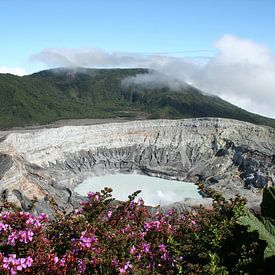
column 265, row 229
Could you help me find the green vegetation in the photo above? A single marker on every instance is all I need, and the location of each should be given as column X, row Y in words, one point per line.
column 98, row 93
column 268, row 203
column 264, row 224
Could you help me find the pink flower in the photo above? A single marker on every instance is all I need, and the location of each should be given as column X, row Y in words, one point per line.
column 152, row 225
column 132, row 250
column 25, row 236
column 63, row 261
column 140, row 202
column 14, row 265
column 29, row 261
column 12, row 238
column 125, row 267
column 55, row 260
column 162, row 248
column 165, row 256
column 78, row 211
column 34, row 222
column 6, row 261
column 126, row 229
column 109, row 214
column 93, row 196
column 93, row 262
column 81, row 266
column 87, row 241
column 30, row 221
column 145, row 247
column 43, row 217
column 132, row 204
column 114, row 262
column 4, row 227
column 5, row 215
column 147, row 226
column 170, row 212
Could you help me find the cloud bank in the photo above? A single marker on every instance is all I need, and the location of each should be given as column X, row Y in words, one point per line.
column 242, row 71
column 11, row 70
column 154, row 79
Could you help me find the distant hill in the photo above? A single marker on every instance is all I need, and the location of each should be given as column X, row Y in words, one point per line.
column 99, row 93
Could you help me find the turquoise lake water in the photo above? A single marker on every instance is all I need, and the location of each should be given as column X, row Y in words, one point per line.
column 155, row 191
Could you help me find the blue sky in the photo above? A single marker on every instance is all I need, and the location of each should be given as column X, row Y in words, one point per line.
column 223, row 47
column 28, row 26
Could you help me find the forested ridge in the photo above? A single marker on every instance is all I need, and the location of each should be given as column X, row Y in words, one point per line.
column 56, row 94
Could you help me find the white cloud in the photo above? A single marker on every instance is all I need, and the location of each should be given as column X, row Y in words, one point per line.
column 90, row 57
column 12, row 70
column 242, row 71
column 154, row 80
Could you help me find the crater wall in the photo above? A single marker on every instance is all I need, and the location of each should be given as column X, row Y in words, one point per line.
column 45, row 165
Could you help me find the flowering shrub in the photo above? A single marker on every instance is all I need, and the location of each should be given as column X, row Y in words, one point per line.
column 107, row 237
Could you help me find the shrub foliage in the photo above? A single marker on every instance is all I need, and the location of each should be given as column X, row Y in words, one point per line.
column 108, row 237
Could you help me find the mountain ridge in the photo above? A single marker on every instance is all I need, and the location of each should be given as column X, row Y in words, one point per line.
column 73, row 93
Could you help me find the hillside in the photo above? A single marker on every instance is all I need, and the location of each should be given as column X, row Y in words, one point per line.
column 98, row 93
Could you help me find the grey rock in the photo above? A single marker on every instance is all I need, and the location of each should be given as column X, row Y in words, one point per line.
column 5, row 164
column 222, row 152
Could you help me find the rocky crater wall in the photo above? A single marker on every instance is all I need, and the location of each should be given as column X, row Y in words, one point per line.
column 231, row 156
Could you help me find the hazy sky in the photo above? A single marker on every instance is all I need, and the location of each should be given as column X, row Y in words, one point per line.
column 223, row 47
